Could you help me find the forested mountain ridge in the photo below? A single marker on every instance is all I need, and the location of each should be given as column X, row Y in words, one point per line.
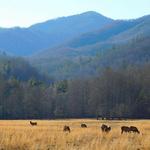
column 116, row 44
column 72, row 26
column 26, row 41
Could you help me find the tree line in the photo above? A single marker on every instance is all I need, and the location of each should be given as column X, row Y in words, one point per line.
column 112, row 93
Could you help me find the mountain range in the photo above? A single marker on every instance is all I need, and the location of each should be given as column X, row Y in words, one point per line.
column 26, row 41
column 80, row 45
column 119, row 42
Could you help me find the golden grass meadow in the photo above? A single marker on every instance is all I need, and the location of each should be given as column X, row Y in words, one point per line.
column 49, row 135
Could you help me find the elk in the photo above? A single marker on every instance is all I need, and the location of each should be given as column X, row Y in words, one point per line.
column 129, row 129
column 105, row 128
column 83, row 125
column 134, row 129
column 66, row 129
column 33, row 123
column 125, row 129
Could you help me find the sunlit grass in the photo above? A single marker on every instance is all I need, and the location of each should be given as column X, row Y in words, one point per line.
column 49, row 135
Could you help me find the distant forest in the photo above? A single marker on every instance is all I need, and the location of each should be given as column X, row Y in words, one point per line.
column 123, row 93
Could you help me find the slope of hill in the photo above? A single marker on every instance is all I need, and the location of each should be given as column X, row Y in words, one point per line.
column 115, row 28
column 18, row 68
column 66, row 28
column 114, row 33
column 26, row 41
column 141, row 29
column 21, row 41
column 120, row 42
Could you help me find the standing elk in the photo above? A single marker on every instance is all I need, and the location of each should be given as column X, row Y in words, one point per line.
column 66, row 129
column 33, row 123
column 105, row 128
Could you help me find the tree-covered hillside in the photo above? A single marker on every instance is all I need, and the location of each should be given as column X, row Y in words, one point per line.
column 90, row 61
column 121, row 42
column 121, row 93
column 18, row 68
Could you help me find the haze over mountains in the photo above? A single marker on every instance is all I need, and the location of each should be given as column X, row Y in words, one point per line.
column 26, row 41
column 79, row 45
column 114, row 44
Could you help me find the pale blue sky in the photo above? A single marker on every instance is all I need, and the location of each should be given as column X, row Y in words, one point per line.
column 26, row 12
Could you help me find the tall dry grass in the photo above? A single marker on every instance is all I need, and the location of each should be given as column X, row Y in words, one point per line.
column 49, row 135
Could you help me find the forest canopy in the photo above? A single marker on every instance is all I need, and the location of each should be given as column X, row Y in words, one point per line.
column 120, row 93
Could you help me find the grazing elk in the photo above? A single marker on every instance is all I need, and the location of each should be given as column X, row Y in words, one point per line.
column 129, row 129
column 33, row 123
column 83, row 125
column 105, row 128
column 125, row 129
column 66, row 129
column 134, row 129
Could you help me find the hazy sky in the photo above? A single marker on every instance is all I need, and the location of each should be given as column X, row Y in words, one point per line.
column 26, row 12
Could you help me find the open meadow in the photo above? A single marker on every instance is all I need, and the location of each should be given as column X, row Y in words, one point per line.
column 49, row 135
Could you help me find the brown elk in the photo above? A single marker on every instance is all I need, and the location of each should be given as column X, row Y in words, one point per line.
column 108, row 129
column 33, row 123
column 129, row 129
column 134, row 129
column 105, row 128
column 66, row 129
column 83, row 125
column 125, row 129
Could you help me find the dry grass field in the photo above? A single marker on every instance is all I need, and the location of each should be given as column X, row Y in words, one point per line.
column 49, row 135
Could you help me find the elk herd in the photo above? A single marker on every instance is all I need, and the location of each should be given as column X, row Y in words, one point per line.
column 125, row 129
column 107, row 129
column 104, row 128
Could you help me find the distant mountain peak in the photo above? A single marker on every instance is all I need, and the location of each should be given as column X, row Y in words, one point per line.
column 26, row 41
column 92, row 13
